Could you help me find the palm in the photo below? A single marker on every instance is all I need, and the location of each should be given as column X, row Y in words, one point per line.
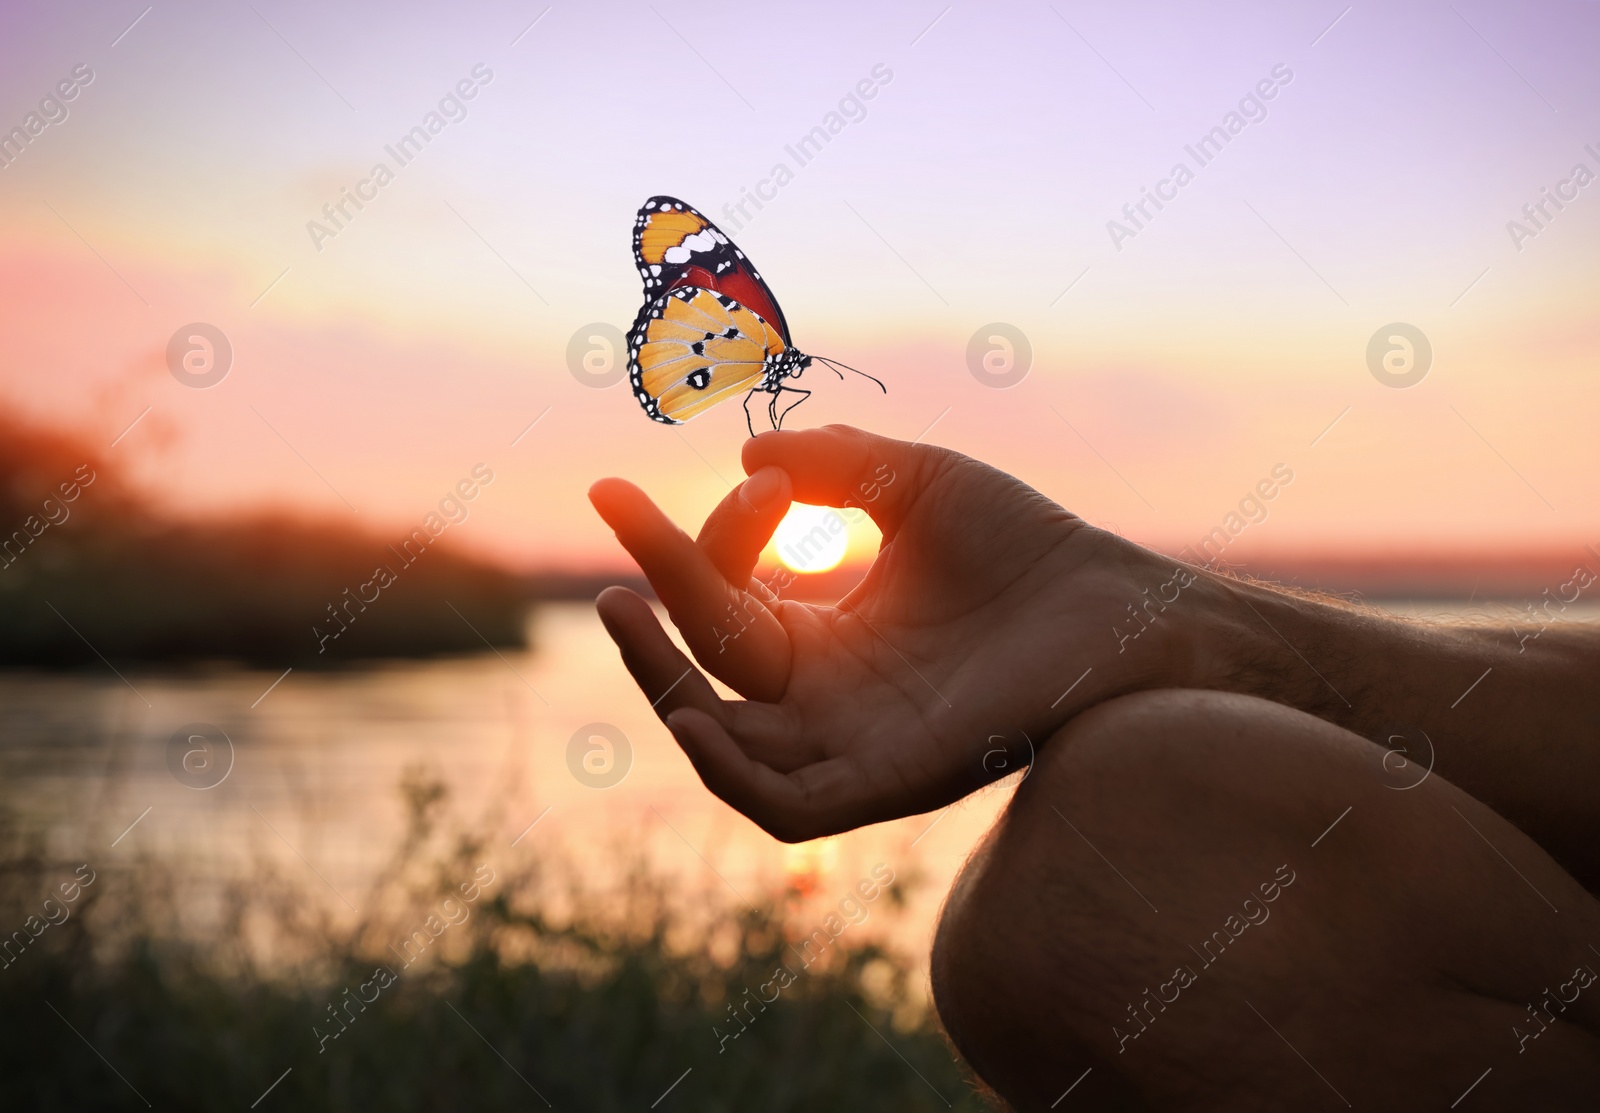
column 934, row 676
column 930, row 678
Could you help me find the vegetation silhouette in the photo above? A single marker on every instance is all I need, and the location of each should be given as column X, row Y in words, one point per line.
column 589, row 999
column 103, row 572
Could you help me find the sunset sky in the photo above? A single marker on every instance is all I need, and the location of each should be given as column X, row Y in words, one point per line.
column 376, row 366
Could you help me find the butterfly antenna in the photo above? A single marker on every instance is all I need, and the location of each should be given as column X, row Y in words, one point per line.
column 834, row 365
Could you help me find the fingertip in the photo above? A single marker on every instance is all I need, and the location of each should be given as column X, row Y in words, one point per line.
column 689, row 716
column 614, row 600
column 637, row 521
column 611, row 606
column 761, row 448
column 786, row 446
column 767, row 486
column 776, row 444
column 610, row 496
column 629, row 621
column 685, row 722
column 605, row 488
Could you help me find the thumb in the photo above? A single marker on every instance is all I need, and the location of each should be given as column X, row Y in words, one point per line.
column 740, row 527
column 839, row 465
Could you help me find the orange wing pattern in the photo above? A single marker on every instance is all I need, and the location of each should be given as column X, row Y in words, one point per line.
column 667, row 229
column 693, row 348
column 674, row 244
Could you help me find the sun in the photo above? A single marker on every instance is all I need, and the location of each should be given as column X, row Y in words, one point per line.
column 807, row 865
column 811, row 538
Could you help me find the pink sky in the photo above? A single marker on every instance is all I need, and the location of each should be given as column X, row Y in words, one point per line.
column 1216, row 343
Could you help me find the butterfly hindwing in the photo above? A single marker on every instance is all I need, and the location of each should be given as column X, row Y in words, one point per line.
column 693, row 347
column 675, row 245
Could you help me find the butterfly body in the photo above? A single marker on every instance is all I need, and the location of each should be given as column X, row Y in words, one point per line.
column 710, row 327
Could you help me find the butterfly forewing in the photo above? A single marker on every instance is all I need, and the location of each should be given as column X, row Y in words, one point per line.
column 675, row 245
column 678, row 232
column 692, row 348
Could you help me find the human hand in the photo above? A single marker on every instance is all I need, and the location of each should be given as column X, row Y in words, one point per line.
column 984, row 603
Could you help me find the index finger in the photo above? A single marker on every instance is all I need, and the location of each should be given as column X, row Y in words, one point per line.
column 733, row 635
column 839, row 465
column 741, row 525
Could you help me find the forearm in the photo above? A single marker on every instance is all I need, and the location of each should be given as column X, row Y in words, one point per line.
column 1515, row 721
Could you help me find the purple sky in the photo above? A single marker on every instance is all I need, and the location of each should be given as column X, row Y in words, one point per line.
column 1185, row 361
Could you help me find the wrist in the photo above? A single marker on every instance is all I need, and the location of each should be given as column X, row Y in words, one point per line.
column 1288, row 648
column 1511, row 706
column 1350, row 664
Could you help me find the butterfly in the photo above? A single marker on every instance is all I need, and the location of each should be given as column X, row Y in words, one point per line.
column 710, row 327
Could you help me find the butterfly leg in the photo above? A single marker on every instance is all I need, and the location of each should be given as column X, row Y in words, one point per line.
column 777, row 422
column 748, row 420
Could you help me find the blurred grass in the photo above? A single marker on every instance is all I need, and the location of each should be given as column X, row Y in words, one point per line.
column 596, row 1000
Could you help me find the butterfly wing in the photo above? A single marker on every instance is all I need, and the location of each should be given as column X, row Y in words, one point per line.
column 675, row 245
column 694, row 347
